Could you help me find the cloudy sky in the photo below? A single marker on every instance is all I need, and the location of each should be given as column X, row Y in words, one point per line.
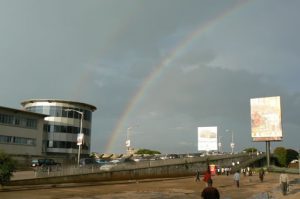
column 161, row 67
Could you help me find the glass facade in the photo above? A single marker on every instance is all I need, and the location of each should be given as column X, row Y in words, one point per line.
column 61, row 127
column 65, row 145
column 59, row 111
column 51, row 128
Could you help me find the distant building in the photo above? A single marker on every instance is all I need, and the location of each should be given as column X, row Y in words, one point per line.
column 62, row 125
column 21, row 132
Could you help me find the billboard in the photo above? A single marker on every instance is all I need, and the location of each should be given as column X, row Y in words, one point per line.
column 266, row 119
column 207, row 138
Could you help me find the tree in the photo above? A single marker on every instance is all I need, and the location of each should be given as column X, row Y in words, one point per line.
column 94, row 155
column 7, row 167
column 147, row 151
column 291, row 155
column 281, row 154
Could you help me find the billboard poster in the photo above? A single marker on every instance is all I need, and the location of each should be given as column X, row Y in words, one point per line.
column 207, row 138
column 80, row 139
column 266, row 119
column 127, row 143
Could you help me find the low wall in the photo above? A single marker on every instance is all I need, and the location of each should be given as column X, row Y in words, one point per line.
column 141, row 170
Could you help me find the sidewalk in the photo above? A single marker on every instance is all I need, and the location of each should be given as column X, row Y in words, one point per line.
column 250, row 188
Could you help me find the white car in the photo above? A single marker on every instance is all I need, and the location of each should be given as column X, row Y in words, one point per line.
column 115, row 161
column 107, row 167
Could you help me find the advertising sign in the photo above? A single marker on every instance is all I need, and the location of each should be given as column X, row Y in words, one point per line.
column 266, row 119
column 207, row 138
column 80, row 139
column 127, row 143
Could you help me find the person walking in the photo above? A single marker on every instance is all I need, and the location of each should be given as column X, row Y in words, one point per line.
column 261, row 174
column 283, row 181
column 197, row 176
column 227, row 171
column 210, row 192
column 236, row 178
column 207, row 176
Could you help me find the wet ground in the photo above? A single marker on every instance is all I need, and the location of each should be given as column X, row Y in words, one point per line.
column 179, row 188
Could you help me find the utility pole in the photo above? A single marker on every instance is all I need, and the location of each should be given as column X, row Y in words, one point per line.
column 232, row 143
column 299, row 159
column 220, row 144
column 80, row 135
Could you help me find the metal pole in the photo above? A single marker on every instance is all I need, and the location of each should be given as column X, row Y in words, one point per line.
column 232, row 142
column 220, row 144
column 78, row 157
column 128, row 143
column 128, row 140
column 79, row 146
column 80, row 136
column 299, row 159
column 268, row 153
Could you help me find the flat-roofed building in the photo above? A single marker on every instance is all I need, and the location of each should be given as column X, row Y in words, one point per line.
column 21, row 132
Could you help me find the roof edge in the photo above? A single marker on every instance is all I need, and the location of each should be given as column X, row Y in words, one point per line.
column 92, row 107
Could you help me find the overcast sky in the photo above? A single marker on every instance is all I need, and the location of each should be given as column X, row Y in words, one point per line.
column 162, row 67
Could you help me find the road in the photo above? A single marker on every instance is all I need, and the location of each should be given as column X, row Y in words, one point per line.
column 179, row 188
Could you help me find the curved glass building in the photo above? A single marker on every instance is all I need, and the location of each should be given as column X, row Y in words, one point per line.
column 62, row 125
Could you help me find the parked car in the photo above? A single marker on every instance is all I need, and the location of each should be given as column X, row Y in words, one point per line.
column 35, row 163
column 44, row 162
column 101, row 161
column 107, row 167
column 48, row 162
column 87, row 162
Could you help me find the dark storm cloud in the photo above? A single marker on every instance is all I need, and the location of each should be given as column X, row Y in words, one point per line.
column 100, row 52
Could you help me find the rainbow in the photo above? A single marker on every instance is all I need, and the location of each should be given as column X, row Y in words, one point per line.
column 164, row 63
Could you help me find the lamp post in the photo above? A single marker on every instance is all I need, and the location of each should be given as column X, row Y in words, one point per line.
column 127, row 139
column 128, row 144
column 299, row 160
column 220, row 144
column 80, row 135
column 232, row 143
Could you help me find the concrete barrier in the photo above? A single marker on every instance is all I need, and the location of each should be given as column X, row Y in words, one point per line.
column 142, row 170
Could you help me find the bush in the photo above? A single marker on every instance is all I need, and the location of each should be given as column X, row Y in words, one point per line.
column 147, row 151
column 291, row 155
column 281, row 155
column 7, row 167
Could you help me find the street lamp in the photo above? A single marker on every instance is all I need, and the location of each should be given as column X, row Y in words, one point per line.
column 220, row 144
column 127, row 139
column 232, row 143
column 128, row 144
column 299, row 160
column 80, row 135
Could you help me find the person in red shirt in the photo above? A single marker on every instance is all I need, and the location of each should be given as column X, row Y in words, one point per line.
column 207, row 176
column 210, row 192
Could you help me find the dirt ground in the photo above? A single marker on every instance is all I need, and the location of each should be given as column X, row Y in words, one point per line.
column 179, row 188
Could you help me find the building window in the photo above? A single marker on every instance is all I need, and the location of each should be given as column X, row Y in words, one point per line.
column 6, row 119
column 4, row 139
column 18, row 121
column 65, row 145
column 50, row 128
column 31, row 123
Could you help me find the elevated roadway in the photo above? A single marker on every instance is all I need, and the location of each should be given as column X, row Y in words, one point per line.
column 168, row 168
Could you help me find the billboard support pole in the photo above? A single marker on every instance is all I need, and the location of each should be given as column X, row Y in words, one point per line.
column 268, row 153
column 299, row 159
